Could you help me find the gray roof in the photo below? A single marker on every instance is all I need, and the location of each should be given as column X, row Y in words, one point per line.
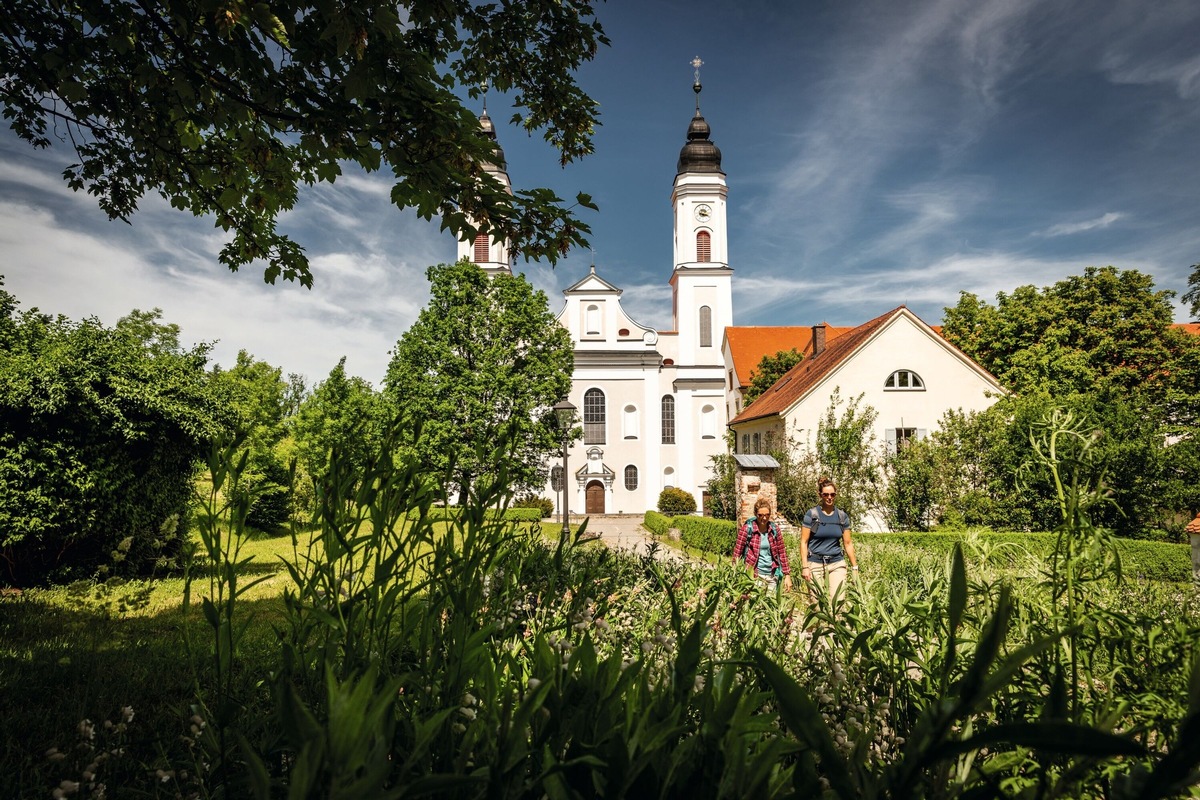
column 755, row 461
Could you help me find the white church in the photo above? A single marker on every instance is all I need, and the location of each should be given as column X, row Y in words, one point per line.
column 655, row 406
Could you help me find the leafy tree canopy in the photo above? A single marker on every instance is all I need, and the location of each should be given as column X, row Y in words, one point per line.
column 485, row 356
column 769, row 370
column 1192, row 295
column 100, row 430
column 1106, row 330
column 342, row 411
column 226, row 108
column 257, row 394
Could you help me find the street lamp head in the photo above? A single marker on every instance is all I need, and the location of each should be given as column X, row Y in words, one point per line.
column 564, row 414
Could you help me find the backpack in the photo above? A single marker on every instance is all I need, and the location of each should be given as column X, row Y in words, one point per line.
column 842, row 517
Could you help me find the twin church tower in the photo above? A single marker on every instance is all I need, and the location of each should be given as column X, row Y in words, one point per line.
column 652, row 403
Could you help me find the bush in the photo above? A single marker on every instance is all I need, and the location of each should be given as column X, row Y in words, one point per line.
column 709, row 535
column 545, row 504
column 674, row 502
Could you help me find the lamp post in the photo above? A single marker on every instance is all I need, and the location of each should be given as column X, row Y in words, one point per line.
column 564, row 415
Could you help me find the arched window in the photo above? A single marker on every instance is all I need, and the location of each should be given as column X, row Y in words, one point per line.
column 556, row 482
column 631, row 477
column 705, row 326
column 708, row 422
column 703, row 247
column 482, row 245
column 668, row 477
column 668, row 419
column 593, row 417
column 629, row 420
column 592, row 321
column 904, row 380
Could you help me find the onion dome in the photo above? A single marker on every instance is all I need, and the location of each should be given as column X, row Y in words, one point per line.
column 489, row 130
column 699, row 154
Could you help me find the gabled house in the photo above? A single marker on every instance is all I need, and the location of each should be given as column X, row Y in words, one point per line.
column 745, row 346
column 901, row 366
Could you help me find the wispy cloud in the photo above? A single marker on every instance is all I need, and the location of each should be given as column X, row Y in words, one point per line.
column 1069, row 228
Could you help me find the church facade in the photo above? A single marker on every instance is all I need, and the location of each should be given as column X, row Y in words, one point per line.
column 652, row 403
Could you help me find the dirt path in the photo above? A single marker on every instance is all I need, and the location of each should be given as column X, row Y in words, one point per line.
column 625, row 532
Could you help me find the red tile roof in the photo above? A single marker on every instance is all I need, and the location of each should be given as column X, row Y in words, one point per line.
column 1188, row 327
column 802, row 377
column 748, row 344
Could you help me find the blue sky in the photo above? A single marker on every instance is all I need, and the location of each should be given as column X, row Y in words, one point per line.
column 877, row 153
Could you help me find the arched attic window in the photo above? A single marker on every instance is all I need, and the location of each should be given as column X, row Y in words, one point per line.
column 703, row 247
column 904, row 380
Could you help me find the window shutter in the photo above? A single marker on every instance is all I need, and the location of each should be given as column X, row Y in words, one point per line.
column 891, row 441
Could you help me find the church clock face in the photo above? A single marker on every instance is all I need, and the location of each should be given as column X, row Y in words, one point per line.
column 703, row 212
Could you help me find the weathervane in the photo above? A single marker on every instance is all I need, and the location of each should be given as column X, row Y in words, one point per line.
column 696, row 65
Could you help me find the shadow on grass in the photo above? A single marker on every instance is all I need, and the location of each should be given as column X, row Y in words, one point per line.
column 60, row 665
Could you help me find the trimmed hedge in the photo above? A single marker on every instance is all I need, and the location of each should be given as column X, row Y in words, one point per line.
column 656, row 523
column 445, row 514
column 705, row 533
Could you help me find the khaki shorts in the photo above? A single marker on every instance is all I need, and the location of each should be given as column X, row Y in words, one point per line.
column 827, row 579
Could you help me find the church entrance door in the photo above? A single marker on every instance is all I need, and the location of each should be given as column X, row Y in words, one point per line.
column 595, row 497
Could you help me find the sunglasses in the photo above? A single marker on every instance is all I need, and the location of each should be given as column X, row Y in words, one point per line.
column 828, row 494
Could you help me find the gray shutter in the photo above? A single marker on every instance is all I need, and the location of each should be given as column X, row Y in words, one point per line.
column 891, row 441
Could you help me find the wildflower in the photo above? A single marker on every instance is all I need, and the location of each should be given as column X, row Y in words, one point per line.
column 69, row 787
column 469, row 699
column 469, row 713
column 87, row 730
column 53, row 754
column 533, row 684
column 458, row 727
column 164, row 775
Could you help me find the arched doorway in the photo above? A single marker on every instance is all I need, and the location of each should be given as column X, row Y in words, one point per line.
column 595, row 497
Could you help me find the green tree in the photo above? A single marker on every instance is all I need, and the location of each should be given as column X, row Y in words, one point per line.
column 342, row 411
column 846, row 451
column 258, row 396
column 1105, row 329
column 769, row 370
column 722, row 488
column 225, row 109
column 1192, row 295
column 100, row 430
column 843, row 450
column 485, row 356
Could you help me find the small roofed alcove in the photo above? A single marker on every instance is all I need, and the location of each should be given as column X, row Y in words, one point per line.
column 755, row 478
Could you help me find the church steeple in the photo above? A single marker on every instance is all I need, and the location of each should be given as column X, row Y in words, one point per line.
column 699, row 154
column 485, row 250
column 701, row 282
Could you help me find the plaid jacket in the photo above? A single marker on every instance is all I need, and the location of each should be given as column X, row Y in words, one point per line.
column 747, row 544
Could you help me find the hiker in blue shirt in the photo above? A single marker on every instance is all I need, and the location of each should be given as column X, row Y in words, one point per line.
column 825, row 544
